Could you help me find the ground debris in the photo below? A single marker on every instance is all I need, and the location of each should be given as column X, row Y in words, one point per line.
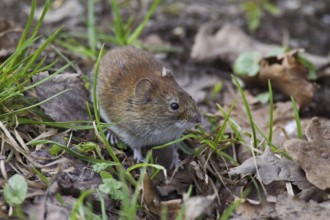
column 71, row 105
column 287, row 75
column 269, row 168
column 285, row 207
column 228, row 42
column 194, row 206
column 9, row 37
column 313, row 154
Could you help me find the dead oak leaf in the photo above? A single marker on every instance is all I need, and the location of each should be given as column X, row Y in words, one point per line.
column 271, row 168
column 289, row 76
column 69, row 106
column 313, row 155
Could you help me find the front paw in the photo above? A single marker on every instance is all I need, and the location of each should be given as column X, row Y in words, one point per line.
column 175, row 158
column 138, row 156
column 112, row 137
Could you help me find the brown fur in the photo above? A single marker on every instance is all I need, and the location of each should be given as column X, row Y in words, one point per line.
column 133, row 94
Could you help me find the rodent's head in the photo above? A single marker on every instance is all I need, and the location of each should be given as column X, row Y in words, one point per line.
column 164, row 103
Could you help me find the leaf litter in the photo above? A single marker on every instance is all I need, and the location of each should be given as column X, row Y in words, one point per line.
column 207, row 172
column 70, row 106
column 313, row 154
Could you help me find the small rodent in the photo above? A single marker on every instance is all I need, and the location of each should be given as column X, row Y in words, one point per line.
column 143, row 100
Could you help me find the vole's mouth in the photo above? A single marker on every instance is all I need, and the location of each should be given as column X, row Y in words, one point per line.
column 195, row 119
column 188, row 124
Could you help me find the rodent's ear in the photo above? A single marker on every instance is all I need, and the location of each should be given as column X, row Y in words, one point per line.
column 166, row 72
column 142, row 88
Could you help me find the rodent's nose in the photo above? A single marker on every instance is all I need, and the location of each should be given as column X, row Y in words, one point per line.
column 198, row 118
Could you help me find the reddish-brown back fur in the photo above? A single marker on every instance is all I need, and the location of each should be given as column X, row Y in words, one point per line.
column 142, row 115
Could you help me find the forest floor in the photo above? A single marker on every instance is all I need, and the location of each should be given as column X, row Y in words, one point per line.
column 261, row 151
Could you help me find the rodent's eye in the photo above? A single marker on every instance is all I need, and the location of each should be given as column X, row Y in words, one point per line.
column 174, row 106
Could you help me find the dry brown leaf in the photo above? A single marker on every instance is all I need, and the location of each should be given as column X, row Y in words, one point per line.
column 313, row 155
column 271, row 169
column 288, row 76
column 70, row 106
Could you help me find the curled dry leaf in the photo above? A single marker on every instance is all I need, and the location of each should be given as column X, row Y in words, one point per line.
column 313, row 155
column 288, row 76
column 272, row 169
column 228, row 42
column 69, row 106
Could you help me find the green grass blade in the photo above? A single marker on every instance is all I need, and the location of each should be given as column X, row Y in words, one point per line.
column 76, row 47
column 103, row 212
column 140, row 165
column 177, row 141
column 44, row 68
column 72, row 64
column 233, row 125
column 31, row 106
column 27, row 26
column 224, row 125
column 118, row 23
column 248, row 112
column 48, row 3
column 271, row 109
column 140, row 28
column 11, row 62
column 229, row 211
column 39, row 50
column 296, row 114
column 274, row 148
column 74, row 153
column 41, row 176
column 214, row 147
column 78, row 204
column 74, row 125
column 46, row 78
column 91, row 25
